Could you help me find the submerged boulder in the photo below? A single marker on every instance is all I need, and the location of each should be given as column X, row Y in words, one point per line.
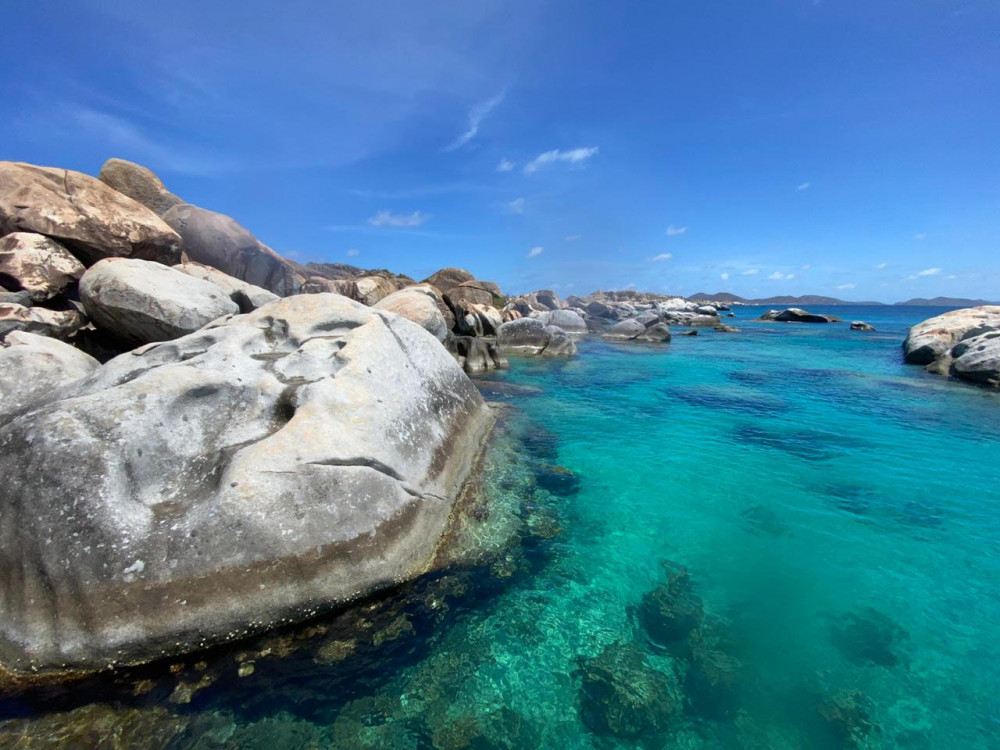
column 141, row 301
column 33, row 367
column 37, row 265
column 219, row 241
column 252, row 473
column 88, row 217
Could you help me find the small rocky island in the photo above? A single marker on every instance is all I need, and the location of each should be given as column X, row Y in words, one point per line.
column 964, row 344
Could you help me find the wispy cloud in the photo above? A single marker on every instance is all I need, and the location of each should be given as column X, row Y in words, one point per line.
column 748, row 272
column 388, row 219
column 505, row 165
column 806, row 267
column 516, row 206
column 476, row 116
column 724, row 275
column 572, row 237
column 804, row 186
column 535, row 252
column 779, row 276
column 661, row 256
column 572, row 156
column 673, row 231
column 846, row 286
column 353, row 252
column 925, row 272
column 882, row 266
column 920, row 236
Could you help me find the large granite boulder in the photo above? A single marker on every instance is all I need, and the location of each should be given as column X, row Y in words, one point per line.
column 219, row 241
column 860, row 325
column 685, row 318
column 372, row 289
column 626, row 330
column 33, row 368
column 58, row 324
column 476, row 355
column 246, row 296
column 37, row 265
column 567, row 320
column 251, row 474
column 977, row 357
column 448, row 278
column 420, row 305
column 934, row 338
column 532, row 336
column 471, row 292
column 658, row 333
column 91, row 219
column 599, row 309
column 798, row 315
column 138, row 183
column 140, row 301
column 548, row 299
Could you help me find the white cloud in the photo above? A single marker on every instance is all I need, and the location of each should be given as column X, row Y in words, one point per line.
column 629, row 286
column 779, row 276
column 925, row 272
column 806, row 267
column 476, row 116
column 724, row 275
column 951, row 276
column 846, row 286
column 505, row 165
column 673, row 231
column 661, row 256
column 573, row 156
column 572, row 237
column 516, row 206
column 920, row 236
column 748, row 272
column 353, row 252
column 389, row 219
column 804, row 186
column 881, row 266
column 535, row 252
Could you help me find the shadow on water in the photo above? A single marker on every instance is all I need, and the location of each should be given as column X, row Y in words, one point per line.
column 728, row 401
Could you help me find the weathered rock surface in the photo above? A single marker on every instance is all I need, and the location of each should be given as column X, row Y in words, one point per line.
column 91, row 219
column 448, row 278
column 685, row 318
column 219, row 241
column 420, row 305
column 935, row 337
column 567, row 320
column 246, row 296
column 532, row 336
column 139, row 184
column 38, row 265
column 33, row 368
column 141, row 301
column 977, row 358
column 249, row 474
column 860, row 325
column 471, row 292
column 55, row 323
column 658, row 333
column 798, row 315
column 476, row 355
column 625, row 330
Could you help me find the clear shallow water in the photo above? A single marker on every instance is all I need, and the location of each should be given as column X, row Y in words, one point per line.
column 838, row 516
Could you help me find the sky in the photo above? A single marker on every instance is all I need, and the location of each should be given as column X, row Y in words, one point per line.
column 833, row 147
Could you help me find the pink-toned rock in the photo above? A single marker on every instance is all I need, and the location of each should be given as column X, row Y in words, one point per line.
column 38, row 265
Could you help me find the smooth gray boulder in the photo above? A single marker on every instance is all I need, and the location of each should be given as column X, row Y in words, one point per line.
column 532, row 336
column 860, row 325
column 139, row 184
column 658, row 333
column 626, row 330
column 934, row 338
column 420, row 305
column 567, row 320
column 219, row 241
column 91, row 219
column 798, row 315
column 33, row 368
column 58, row 324
column 560, row 343
column 38, row 265
column 977, row 358
column 246, row 296
column 141, row 301
column 248, row 475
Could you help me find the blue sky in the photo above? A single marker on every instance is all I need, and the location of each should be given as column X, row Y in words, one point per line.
column 774, row 147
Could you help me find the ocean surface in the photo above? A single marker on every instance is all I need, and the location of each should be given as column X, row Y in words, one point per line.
column 777, row 538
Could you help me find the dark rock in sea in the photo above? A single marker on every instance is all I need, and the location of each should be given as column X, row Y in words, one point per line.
column 622, row 696
column 499, row 729
column 808, row 444
column 246, row 475
column 541, row 443
column 860, row 325
column 798, row 315
column 714, row 678
column 692, row 332
column 658, row 333
column 729, row 400
column 557, row 479
column 86, row 216
column 844, row 720
column 219, row 241
column 670, row 612
column 867, row 636
column 723, row 328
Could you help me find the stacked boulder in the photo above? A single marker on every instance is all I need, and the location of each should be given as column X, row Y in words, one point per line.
column 962, row 343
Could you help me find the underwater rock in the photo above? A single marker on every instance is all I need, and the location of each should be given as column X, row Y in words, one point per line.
column 669, row 613
column 621, row 695
column 500, row 729
column 240, row 477
column 845, row 720
column 557, row 479
column 868, row 636
column 713, row 679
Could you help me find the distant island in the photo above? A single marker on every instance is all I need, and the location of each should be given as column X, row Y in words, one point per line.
column 816, row 299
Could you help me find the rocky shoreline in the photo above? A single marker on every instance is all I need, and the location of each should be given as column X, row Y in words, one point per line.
column 203, row 440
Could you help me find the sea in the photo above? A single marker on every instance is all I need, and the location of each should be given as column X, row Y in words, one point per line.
column 782, row 537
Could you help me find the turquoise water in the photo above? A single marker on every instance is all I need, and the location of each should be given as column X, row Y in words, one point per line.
column 836, row 515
